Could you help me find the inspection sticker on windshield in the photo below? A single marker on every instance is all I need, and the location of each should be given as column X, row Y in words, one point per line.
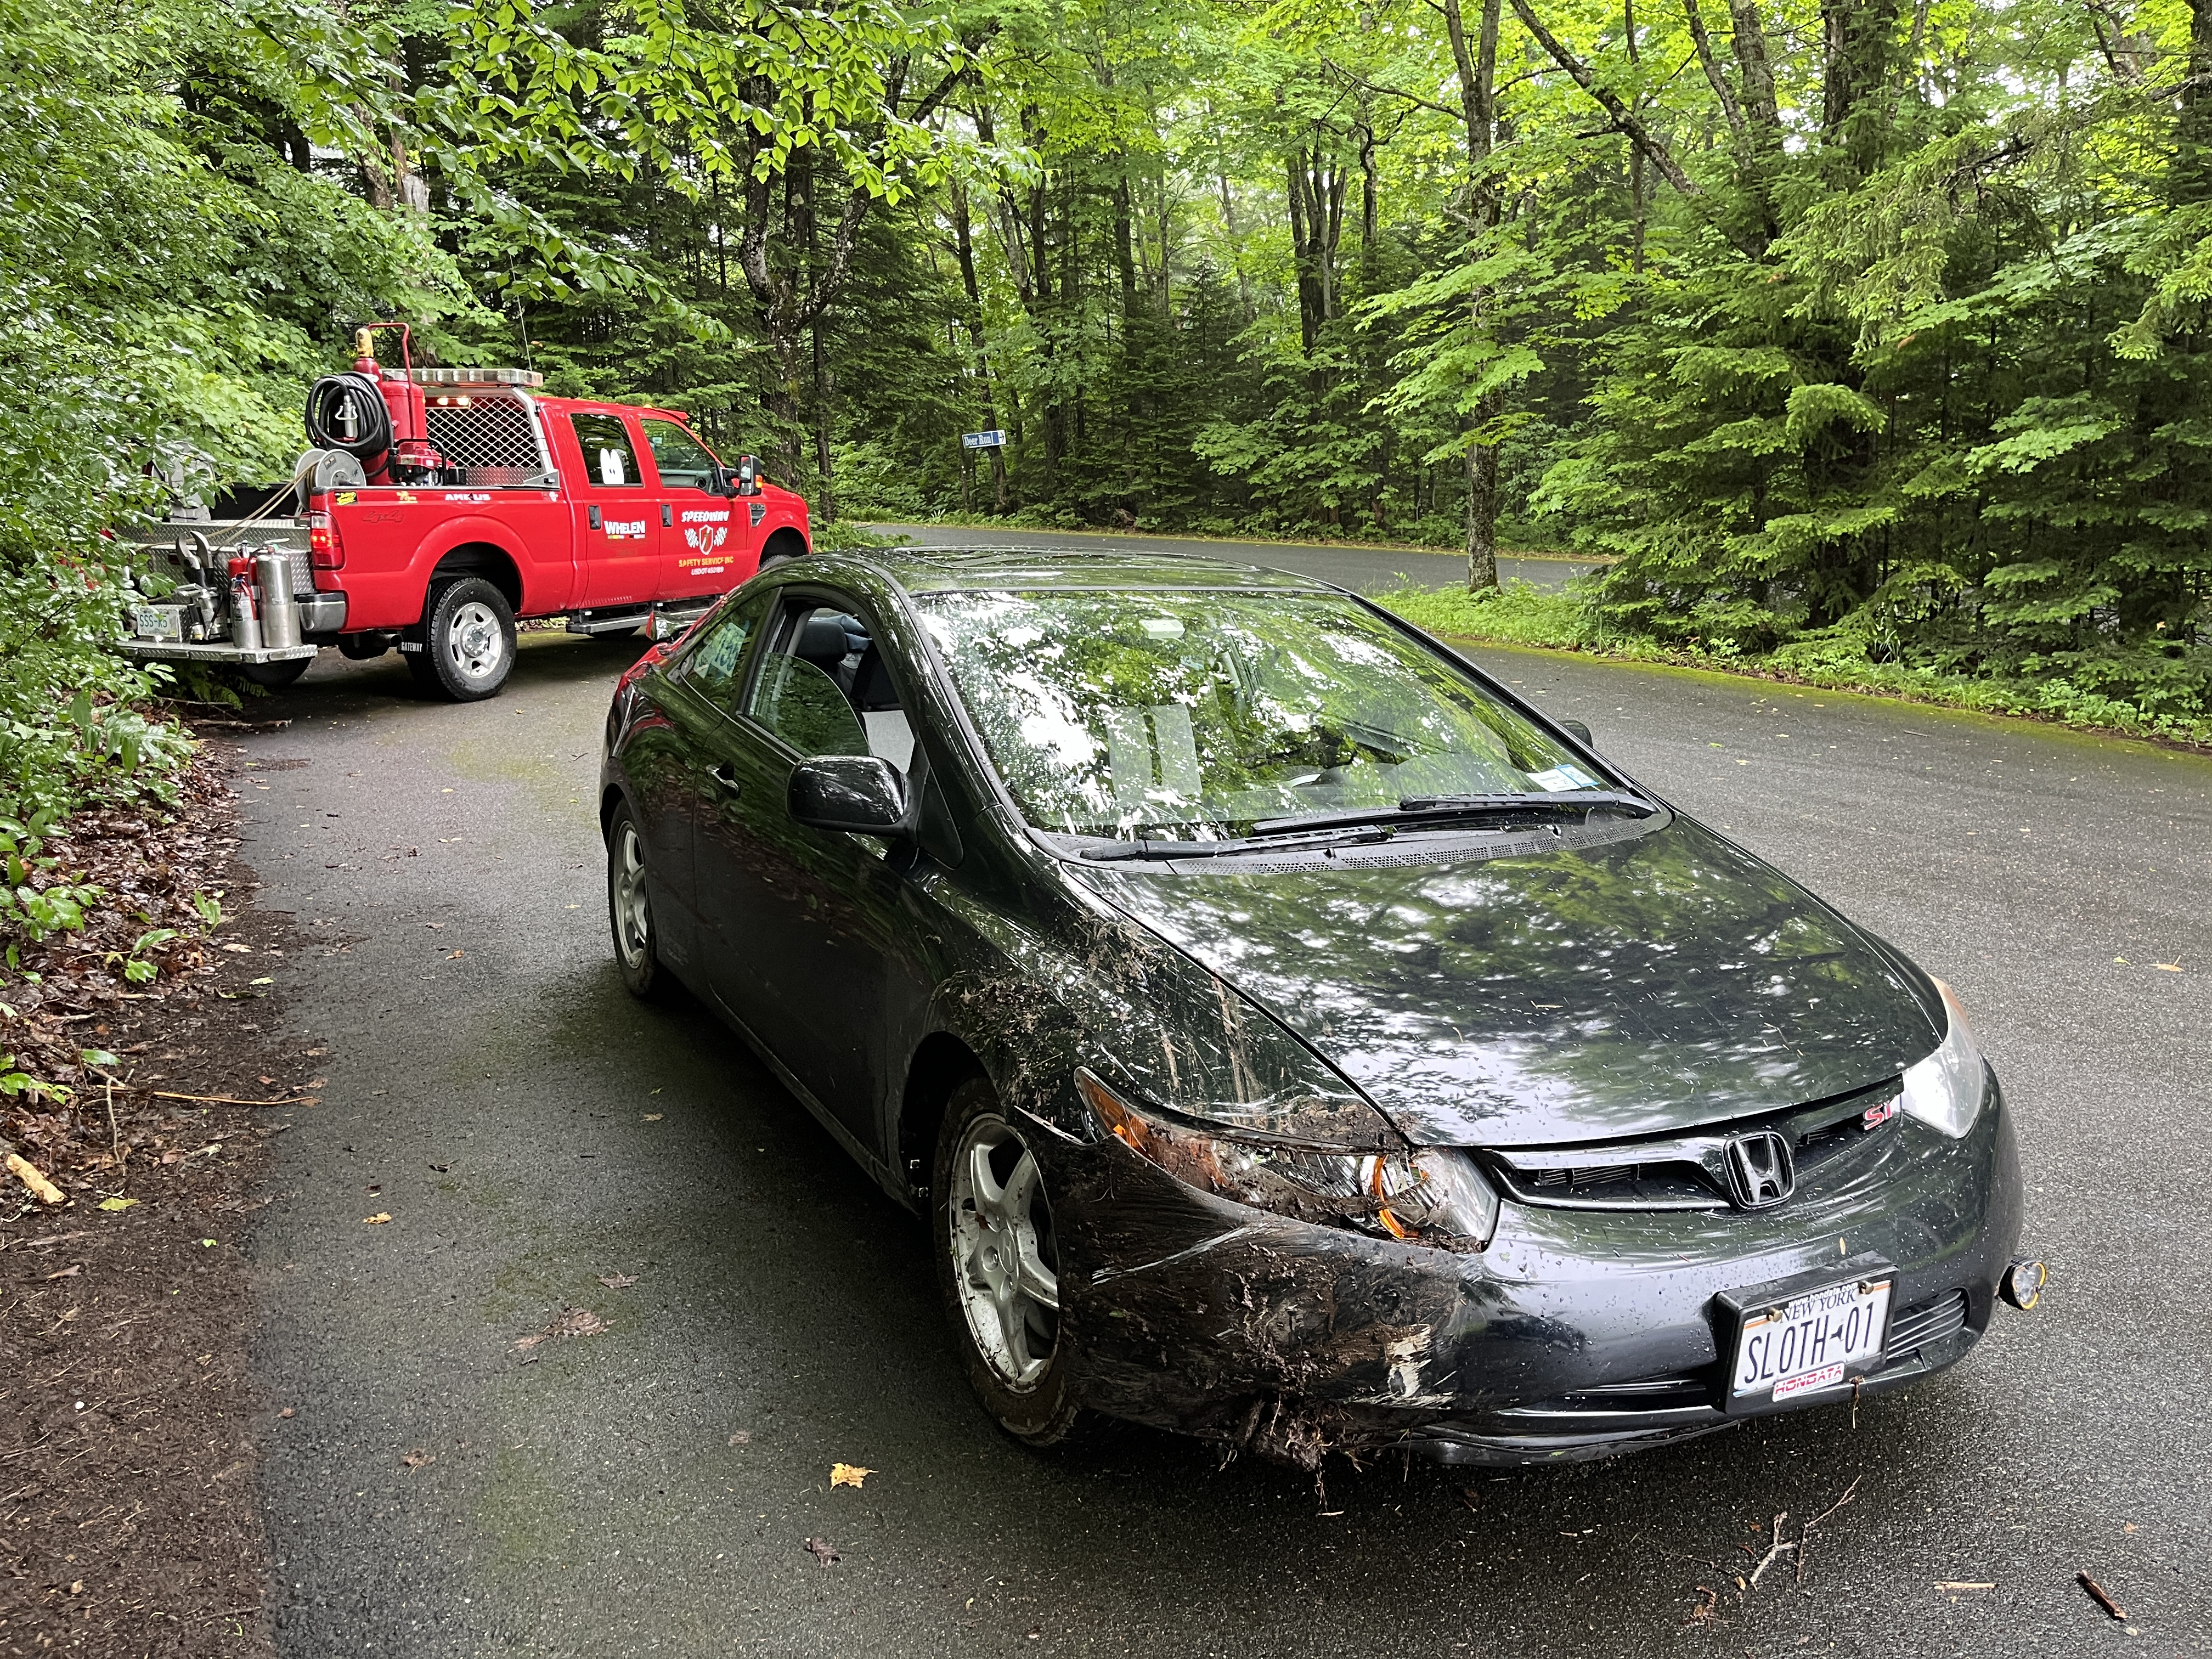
column 1563, row 777
column 1811, row 1341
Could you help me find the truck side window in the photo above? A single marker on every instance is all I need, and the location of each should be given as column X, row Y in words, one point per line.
column 609, row 459
column 682, row 460
column 712, row 666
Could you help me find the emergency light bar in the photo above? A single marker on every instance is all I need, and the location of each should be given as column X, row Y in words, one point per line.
column 524, row 377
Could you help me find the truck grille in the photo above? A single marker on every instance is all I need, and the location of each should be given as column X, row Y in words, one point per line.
column 485, row 438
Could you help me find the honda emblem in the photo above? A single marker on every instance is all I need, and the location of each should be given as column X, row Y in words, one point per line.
column 1761, row 1172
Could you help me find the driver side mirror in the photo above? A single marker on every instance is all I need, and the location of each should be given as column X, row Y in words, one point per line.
column 743, row 479
column 1579, row 733
column 855, row 794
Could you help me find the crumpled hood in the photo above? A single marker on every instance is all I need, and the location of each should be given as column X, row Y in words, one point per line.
column 1652, row 984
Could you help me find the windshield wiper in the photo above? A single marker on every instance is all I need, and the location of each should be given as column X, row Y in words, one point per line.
column 1227, row 848
column 1425, row 807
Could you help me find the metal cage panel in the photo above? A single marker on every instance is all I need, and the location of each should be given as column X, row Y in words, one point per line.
column 487, row 439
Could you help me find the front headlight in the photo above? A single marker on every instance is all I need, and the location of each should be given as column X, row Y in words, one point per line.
column 1945, row 1090
column 1429, row 1195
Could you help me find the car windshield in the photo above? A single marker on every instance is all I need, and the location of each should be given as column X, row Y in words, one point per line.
column 1199, row 713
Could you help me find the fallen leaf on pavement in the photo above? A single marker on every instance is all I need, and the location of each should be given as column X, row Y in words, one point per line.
column 617, row 1281
column 569, row 1322
column 117, row 1203
column 654, row 1117
column 2169, row 967
column 288, row 1412
column 822, row 1550
column 847, row 1474
column 419, row 1458
column 742, row 1438
column 376, row 1220
column 442, row 1169
column 1954, row 1584
column 72, row 1271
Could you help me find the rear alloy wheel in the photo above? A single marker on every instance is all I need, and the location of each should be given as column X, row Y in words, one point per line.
column 998, row 1266
column 630, row 909
column 468, row 640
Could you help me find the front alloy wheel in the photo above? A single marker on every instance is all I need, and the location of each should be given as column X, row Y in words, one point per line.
column 999, row 1266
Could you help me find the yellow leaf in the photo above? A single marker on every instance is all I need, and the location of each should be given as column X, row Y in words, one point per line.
column 117, row 1203
column 847, row 1474
column 377, row 1220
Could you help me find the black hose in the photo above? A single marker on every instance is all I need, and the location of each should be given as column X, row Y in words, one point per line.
column 330, row 397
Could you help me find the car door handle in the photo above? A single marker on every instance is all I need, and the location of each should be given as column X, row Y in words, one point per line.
column 721, row 775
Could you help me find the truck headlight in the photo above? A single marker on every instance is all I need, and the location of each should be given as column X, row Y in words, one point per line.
column 1945, row 1090
column 1429, row 1195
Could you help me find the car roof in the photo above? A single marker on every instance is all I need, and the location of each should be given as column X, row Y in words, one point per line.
column 999, row 569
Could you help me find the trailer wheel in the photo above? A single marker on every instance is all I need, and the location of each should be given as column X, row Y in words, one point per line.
column 275, row 675
column 468, row 640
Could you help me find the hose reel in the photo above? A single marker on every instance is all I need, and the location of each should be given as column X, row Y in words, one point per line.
column 347, row 412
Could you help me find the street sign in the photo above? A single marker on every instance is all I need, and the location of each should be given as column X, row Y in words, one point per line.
column 982, row 440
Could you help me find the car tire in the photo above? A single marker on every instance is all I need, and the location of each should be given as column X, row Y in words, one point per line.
column 276, row 676
column 629, row 911
column 985, row 1236
column 468, row 640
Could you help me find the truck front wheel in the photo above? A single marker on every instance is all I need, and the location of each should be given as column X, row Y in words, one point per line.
column 468, row 640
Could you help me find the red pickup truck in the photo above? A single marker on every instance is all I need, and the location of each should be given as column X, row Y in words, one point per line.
column 440, row 505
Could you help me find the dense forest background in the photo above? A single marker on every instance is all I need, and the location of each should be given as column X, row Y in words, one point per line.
column 1866, row 339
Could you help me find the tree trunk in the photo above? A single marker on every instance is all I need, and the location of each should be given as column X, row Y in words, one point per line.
column 964, row 250
column 1477, row 82
column 2189, row 177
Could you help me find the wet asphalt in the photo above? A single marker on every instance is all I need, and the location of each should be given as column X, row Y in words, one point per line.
column 1363, row 570
column 653, row 1489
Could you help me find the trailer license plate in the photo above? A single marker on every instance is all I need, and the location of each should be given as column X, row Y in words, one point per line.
column 158, row 622
column 1811, row 1341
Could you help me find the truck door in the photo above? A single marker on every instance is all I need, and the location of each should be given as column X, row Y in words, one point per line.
column 706, row 546
column 618, row 522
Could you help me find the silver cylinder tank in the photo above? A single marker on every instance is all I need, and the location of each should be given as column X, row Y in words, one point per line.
column 280, row 618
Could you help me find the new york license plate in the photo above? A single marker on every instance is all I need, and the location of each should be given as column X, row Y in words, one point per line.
column 1811, row 1341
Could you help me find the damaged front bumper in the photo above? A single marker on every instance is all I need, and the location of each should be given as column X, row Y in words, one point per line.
column 1578, row 1333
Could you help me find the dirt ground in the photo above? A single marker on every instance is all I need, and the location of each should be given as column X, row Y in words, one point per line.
column 128, row 1524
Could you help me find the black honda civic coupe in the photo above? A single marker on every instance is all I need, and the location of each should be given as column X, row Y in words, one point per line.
column 1292, row 1037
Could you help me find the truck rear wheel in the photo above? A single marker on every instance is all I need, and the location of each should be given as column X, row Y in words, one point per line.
column 468, row 640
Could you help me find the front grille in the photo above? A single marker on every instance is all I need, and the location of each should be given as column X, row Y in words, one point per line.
column 1688, row 1172
column 1925, row 1322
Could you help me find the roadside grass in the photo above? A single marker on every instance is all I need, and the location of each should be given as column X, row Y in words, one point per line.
column 1520, row 613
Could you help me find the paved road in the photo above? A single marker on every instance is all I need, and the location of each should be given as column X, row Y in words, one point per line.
column 651, row 1490
column 1364, row 569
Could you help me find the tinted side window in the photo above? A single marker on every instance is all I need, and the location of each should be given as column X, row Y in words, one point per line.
column 608, row 458
column 803, row 706
column 682, row 460
column 804, row 691
column 712, row 666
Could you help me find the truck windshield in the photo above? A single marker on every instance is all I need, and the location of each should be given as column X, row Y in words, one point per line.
column 1129, row 713
column 684, row 461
